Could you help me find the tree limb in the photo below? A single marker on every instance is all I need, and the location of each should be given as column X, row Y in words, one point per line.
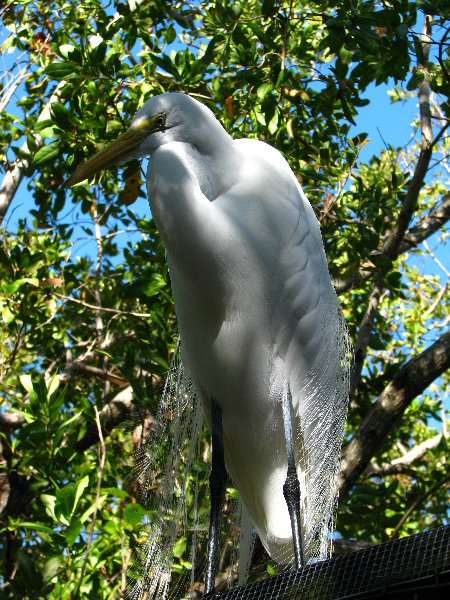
column 9, row 90
column 416, row 504
column 401, row 464
column 410, row 381
column 391, row 245
column 119, row 410
column 102, row 458
column 385, row 470
column 365, row 330
column 418, row 451
column 77, row 368
column 20, row 166
column 432, row 223
column 93, row 306
column 392, row 242
column 411, row 239
column 11, row 420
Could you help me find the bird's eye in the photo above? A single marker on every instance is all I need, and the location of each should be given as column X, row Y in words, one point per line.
column 160, row 121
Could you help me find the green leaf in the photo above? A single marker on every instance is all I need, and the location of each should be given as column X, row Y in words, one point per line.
column 27, row 382
column 40, row 125
column 180, row 547
column 233, row 493
column 28, row 262
column 34, row 526
column 274, row 123
column 5, row 262
column 116, row 492
column 346, row 109
column 133, row 514
column 87, row 513
column 79, row 489
column 415, row 81
column 73, row 418
column 51, row 567
column 47, row 153
column 72, row 532
column 29, row 417
column 345, row 55
column 28, row 570
column 53, row 384
column 61, row 70
column 60, row 115
column 166, row 64
column 263, row 90
column 50, row 503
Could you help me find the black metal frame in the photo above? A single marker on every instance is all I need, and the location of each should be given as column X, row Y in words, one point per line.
column 416, row 567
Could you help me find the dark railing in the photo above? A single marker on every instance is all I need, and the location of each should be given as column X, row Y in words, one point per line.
column 415, row 567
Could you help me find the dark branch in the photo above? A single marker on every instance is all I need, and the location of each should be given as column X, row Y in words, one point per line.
column 423, row 230
column 11, row 420
column 120, row 410
column 410, row 381
column 14, row 176
column 391, row 245
column 417, row 503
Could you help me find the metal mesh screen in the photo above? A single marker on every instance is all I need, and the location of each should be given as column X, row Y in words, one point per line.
column 414, row 567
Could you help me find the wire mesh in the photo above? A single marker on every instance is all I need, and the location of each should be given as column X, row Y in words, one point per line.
column 413, row 567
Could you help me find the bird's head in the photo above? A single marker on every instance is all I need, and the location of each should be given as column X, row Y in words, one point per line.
column 162, row 119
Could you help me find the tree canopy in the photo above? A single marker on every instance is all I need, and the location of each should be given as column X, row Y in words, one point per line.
column 88, row 323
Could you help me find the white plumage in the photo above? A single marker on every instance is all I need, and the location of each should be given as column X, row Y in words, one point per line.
column 257, row 312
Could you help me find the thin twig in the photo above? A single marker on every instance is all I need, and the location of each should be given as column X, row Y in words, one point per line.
column 441, row 62
column 436, row 303
column 94, row 307
column 393, row 239
column 98, row 270
column 10, row 88
column 97, row 498
column 435, row 258
column 417, row 503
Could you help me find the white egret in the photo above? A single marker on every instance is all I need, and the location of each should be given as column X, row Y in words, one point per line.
column 258, row 317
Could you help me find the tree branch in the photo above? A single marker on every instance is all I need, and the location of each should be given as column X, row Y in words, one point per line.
column 416, row 504
column 11, row 87
column 119, row 410
column 410, row 381
column 391, row 245
column 365, row 330
column 20, row 166
column 385, row 470
column 401, row 464
column 411, row 239
column 11, row 420
column 80, row 368
column 432, row 223
column 341, row 546
column 94, row 307
column 102, row 458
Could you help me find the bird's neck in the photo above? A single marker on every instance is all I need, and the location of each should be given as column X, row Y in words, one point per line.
column 216, row 148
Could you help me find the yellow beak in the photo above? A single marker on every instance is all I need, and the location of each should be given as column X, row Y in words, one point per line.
column 118, row 151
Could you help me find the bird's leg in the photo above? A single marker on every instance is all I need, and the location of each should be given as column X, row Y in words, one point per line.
column 291, row 487
column 217, row 483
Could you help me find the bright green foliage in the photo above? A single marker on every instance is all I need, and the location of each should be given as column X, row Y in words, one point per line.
column 91, row 329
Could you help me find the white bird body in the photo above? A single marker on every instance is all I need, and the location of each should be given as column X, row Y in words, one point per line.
column 257, row 313
column 253, row 297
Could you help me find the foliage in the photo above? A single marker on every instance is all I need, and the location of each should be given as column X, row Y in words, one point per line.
column 90, row 330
